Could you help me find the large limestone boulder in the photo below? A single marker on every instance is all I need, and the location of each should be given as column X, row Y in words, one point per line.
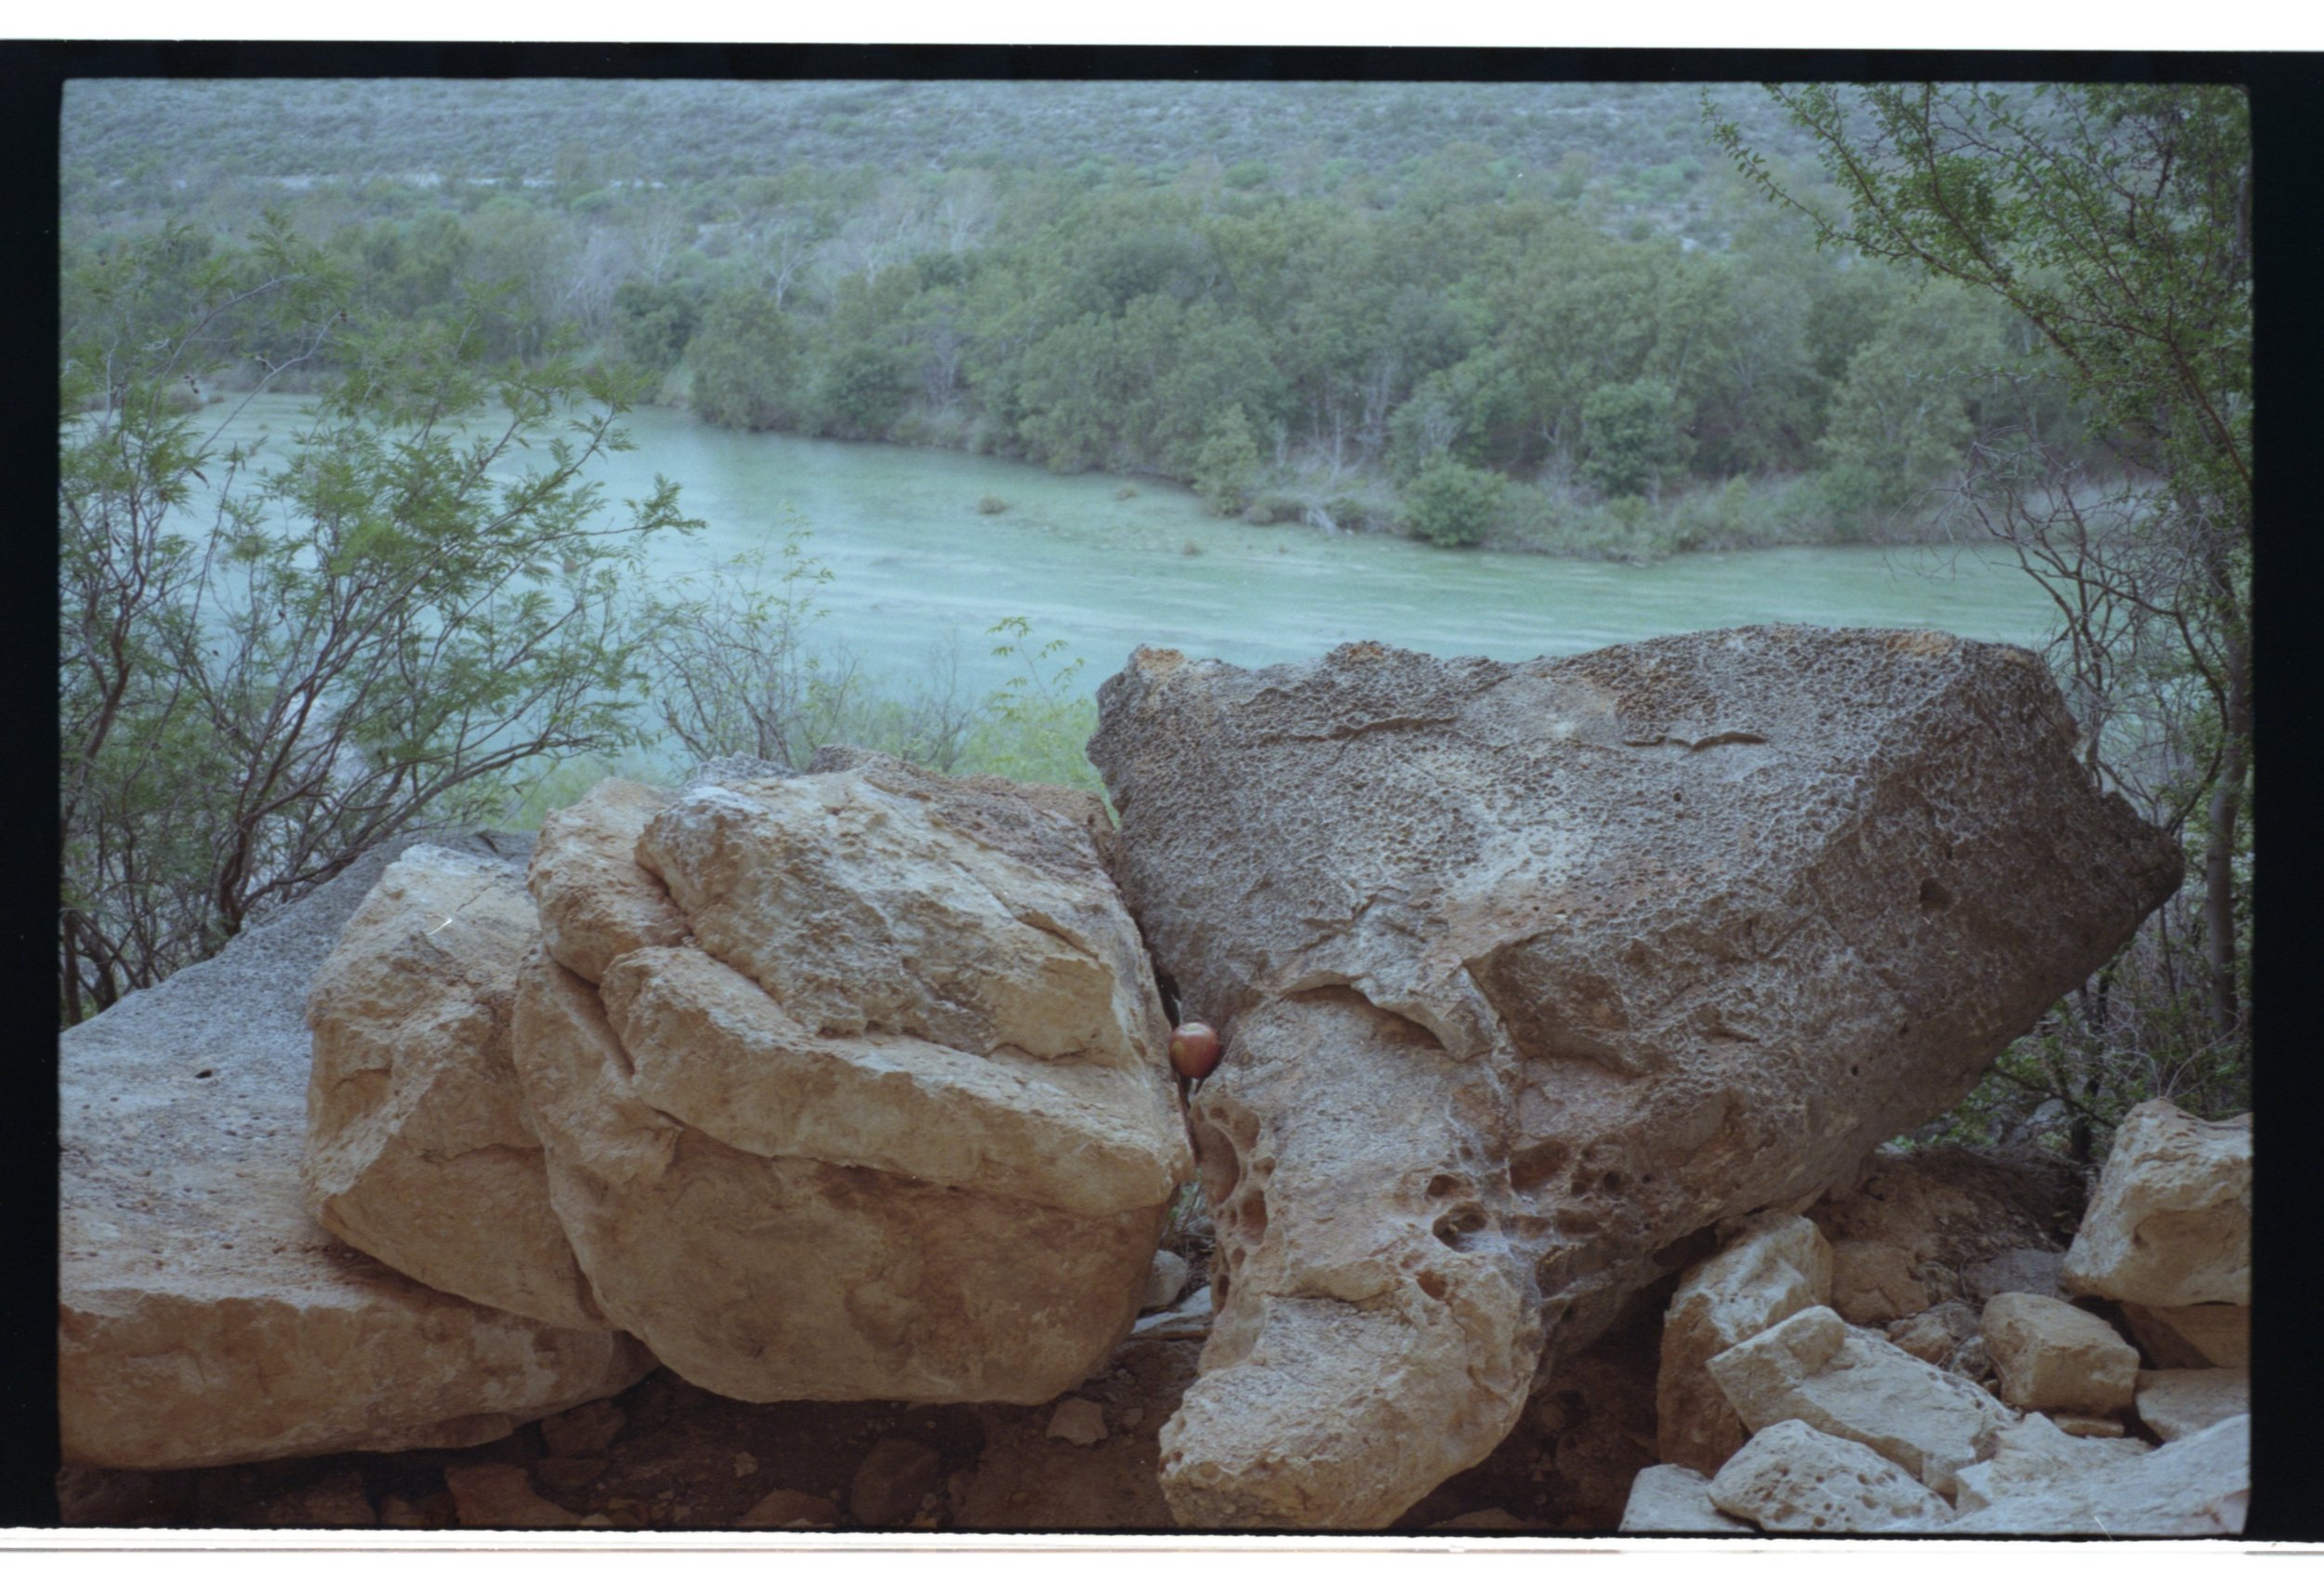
column 1630, row 943
column 2198, row 1486
column 417, row 1148
column 205, row 1318
column 1777, row 1266
column 1850, row 1383
column 892, row 1118
column 2171, row 1223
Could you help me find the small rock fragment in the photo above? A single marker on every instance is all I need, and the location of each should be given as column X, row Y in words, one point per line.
column 1081, row 1421
column 2175, row 1403
column 2051, row 1357
column 745, row 1464
column 583, row 1431
column 500, row 1495
column 1674, row 1500
column 338, row 1502
column 1872, row 1283
column 1936, row 1335
column 2209, row 1335
column 1167, row 1278
column 890, row 1480
column 2086, row 1427
column 790, row 1509
column 2034, row 1271
column 1491, row 1520
column 1793, row 1478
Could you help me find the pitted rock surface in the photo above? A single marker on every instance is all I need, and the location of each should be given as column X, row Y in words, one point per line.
column 1627, row 943
column 892, row 1117
column 204, row 1316
column 417, row 1148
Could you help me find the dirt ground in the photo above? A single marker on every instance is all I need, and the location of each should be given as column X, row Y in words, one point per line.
column 665, row 1455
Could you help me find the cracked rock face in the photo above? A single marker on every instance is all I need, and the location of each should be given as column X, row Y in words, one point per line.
column 417, row 1148
column 1528, row 973
column 205, row 1318
column 890, row 1118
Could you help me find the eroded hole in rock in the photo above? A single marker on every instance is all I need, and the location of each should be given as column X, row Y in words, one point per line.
column 1576, row 1222
column 1444, row 1186
column 1455, row 1229
column 1532, row 1166
column 1934, row 896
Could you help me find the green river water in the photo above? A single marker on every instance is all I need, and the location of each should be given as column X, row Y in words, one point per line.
column 915, row 565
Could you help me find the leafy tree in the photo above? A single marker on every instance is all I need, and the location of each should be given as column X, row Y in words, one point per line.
column 2115, row 220
column 1453, row 504
column 747, row 362
column 266, row 671
column 1634, row 440
column 1227, row 466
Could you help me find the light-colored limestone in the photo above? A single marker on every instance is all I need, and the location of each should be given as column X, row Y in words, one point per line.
column 1605, row 891
column 204, row 1316
column 1935, row 1336
column 2175, row 1403
column 1852, row 1383
column 2198, row 1486
column 916, row 1139
column 2051, row 1357
column 418, row 1150
column 1673, row 1500
column 2171, row 1223
column 1166, row 1282
column 1775, row 1266
column 596, row 901
column 2209, row 1335
column 1792, row 1478
column 2039, row 1454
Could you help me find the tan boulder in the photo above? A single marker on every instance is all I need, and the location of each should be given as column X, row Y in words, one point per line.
column 2175, row 1403
column 418, row 1150
column 2169, row 1224
column 205, row 1318
column 1674, row 1500
column 2198, row 1486
column 931, row 1164
column 1792, row 1477
column 2208, row 1335
column 2051, row 1357
column 596, row 903
column 1851, row 1383
column 1775, row 1265
column 1689, row 927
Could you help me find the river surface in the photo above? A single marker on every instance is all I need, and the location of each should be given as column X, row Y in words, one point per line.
column 915, row 565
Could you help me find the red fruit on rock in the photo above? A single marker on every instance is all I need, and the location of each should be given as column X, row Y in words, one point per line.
column 1193, row 1049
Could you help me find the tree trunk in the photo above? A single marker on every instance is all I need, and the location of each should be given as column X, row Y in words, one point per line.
column 2227, row 805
